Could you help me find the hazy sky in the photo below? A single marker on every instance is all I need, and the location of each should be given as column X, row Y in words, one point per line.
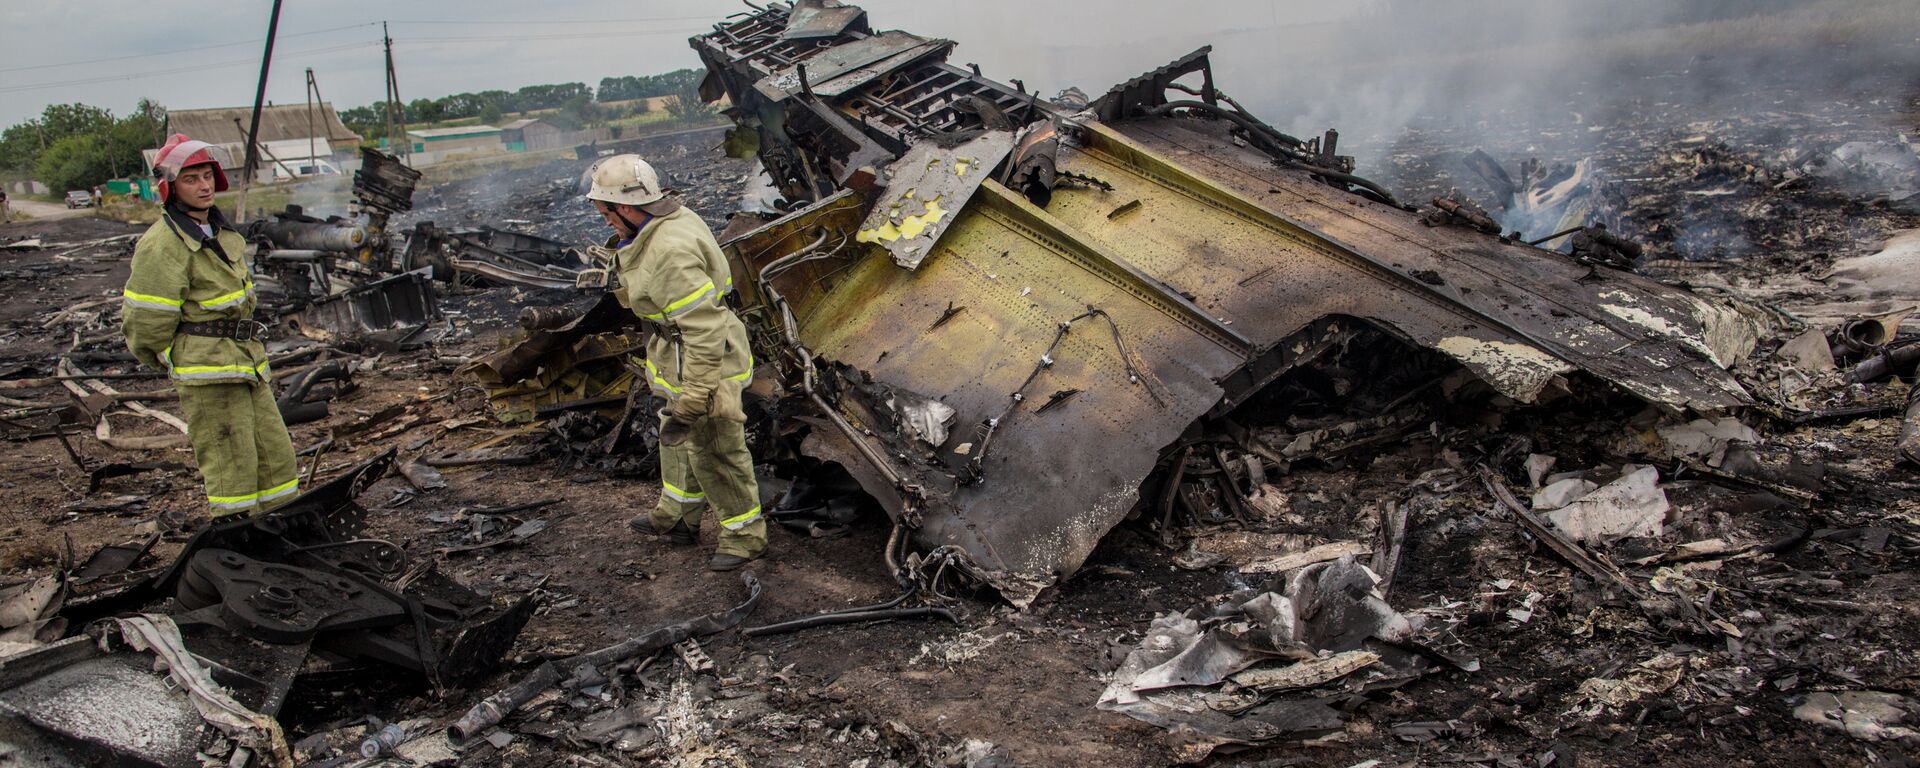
column 1368, row 67
column 199, row 53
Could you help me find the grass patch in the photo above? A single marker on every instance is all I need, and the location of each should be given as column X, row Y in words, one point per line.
column 129, row 210
column 260, row 198
column 459, row 168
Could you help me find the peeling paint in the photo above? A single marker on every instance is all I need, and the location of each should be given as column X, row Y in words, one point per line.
column 1645, row 319
column 1728, row 336
column 908, row 227
column 1517, row 370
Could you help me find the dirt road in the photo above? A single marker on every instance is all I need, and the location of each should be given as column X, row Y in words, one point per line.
column 42, row 211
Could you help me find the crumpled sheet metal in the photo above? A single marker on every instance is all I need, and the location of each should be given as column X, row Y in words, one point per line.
column 156, row 634
column 581, row 360
column 1055, row 481
column 1270, row 250
column 926, row 187
column 394, row 309
column 1264, row 254
column 1196, row 674
column 846, row 67
column 814, row 19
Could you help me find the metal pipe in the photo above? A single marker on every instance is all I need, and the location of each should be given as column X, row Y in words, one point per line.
column 1866, row 334
column 323, row 236
column 829, row 619
column 1559, row 234
column 491, row 710
column 790, row 329
column 1909, row 444
column 1885, row 363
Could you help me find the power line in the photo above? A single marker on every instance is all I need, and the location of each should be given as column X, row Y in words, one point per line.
column 180, row 70
column 426, row 41
column 453, row 22
column 182, row 50
column 546, row 36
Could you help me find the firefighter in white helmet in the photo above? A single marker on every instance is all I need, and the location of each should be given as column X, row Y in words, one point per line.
column 673, row 275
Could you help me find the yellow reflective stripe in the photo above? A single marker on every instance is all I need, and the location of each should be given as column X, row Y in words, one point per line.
column 189, row 370
column 738, row 521
column 149, row 301
column 280, row 490
column 226, row 299
column 151, row 298
column 213, row 371
column 232, row 501
column 685, row 303
column 746, row 375
column 681, row 495
column 249, row 499
column 654, row 373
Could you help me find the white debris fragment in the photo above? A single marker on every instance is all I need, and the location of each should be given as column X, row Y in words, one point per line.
column 1810, row 353
column 1864, row 715
column 1524, row 613
column 1892, row 273
column 1538, row 465
column 1320, row 554
column 1560, row 493
column 1653, row 676
column 1706, row 439
column 1633, row 505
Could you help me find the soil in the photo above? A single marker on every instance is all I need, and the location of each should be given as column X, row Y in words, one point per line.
column 1836, row 605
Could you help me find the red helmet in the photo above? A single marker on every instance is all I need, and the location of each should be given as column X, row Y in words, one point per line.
column 181, row 153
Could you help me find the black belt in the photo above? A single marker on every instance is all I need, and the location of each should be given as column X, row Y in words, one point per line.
column 238, row 330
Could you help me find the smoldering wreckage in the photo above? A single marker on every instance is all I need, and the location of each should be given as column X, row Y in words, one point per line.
column 1020, row 328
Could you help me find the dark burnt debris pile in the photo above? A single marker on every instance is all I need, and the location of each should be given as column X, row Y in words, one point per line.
column 1131, row 431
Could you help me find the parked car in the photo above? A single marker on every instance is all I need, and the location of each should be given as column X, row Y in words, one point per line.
column 79, row 198
column 305, row 169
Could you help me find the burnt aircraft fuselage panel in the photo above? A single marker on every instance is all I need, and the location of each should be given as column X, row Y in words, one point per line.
column 1182, row 255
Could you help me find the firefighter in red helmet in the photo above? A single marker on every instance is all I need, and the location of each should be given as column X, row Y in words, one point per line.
column 189, row 311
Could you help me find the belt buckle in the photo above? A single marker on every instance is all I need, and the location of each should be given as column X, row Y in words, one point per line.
column 249, row 330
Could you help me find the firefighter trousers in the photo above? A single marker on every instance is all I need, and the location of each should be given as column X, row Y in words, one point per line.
column 713, row 465
column 241, row 445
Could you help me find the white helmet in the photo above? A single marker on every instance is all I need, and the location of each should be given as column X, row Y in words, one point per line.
column 624, row 179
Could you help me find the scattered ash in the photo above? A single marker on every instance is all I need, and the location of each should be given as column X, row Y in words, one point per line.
column 549, row 199
column 1801, row 600
column 1774, row 172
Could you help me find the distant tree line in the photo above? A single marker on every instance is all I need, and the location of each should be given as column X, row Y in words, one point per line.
column 76, row 146
column 649, row 86
column 577, row 104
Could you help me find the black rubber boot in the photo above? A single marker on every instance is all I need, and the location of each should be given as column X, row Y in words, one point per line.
column 679, row 535
column 725, row 562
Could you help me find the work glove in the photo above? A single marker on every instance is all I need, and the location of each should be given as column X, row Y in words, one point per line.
column 673, row 431
column 679, row 416
column 690, row 405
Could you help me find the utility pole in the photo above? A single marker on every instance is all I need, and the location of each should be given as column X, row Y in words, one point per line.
column 396, row 110
column 259, row 98
column 393, row 142
column 312, row 88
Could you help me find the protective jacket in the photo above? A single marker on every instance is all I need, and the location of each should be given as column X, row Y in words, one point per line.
column 674, row 276
column 181, row 275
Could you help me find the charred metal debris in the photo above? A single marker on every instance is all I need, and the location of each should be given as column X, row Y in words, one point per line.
column 356, row 278
column 1009, row 316
column 248, row 611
